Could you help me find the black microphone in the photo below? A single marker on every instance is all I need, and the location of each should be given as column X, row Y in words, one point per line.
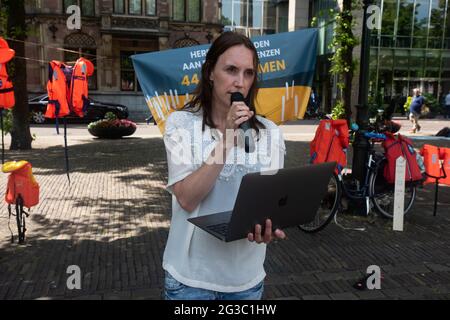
column 245, row 126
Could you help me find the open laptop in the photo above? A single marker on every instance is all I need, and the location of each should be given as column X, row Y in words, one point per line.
column 289, row 198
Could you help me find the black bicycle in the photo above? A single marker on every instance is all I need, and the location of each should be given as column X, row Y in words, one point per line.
column 20, row 220
column 375, row 190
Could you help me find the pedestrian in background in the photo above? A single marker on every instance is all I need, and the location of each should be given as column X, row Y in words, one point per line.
column 447, row 106
column 415, row 108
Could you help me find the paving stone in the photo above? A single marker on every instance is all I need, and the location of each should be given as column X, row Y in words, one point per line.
column 343, row 296
column 113, row 222
column 316, row 297
column 370, row 294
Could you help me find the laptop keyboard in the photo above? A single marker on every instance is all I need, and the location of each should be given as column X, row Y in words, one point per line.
column 220, row 228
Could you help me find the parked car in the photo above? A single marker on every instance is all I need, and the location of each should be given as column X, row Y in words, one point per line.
column 95, row 111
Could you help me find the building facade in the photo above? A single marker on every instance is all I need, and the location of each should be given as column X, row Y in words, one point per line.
column 410, row 50
column 111, row 31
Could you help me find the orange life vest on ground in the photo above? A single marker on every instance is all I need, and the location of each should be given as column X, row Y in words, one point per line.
column 7, row 99
column 330, row 143
column 57, row 91
column 78, row 94
column 21, row 182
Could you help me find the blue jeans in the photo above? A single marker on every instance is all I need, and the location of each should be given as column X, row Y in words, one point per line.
column 175, row 290
column 447, row 111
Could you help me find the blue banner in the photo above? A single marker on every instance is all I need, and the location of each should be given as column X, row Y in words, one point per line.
column 286, row 71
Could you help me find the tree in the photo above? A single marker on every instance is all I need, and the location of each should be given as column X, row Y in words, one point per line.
column 13, row 16
column 342, row 64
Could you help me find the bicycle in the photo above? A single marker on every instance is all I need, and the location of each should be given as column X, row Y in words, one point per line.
column 375, row 188
column 20, row 220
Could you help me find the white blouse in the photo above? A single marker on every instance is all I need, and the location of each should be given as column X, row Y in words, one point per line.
column 193, row 256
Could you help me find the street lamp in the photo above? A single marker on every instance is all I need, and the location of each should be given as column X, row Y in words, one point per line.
column 360, row 143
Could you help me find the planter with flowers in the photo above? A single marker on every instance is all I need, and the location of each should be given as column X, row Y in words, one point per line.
column 111, row 128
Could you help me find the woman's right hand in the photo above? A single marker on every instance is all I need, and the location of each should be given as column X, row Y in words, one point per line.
column 239, row 113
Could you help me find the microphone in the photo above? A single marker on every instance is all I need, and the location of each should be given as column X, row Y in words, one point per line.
column 245, row 126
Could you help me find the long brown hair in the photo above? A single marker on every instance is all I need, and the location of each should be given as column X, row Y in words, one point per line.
column 203, row 92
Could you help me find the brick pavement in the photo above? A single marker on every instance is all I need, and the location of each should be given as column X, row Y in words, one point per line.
column 113, row 219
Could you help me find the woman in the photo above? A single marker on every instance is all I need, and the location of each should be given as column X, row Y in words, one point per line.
column 206, row 162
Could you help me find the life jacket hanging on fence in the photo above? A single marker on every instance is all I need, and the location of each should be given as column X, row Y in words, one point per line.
column 330, row 143
column 400, row 146
column 431, row 160
column 445, row 156
column 7, row 99
column 68, row 91
column 57, row 106
column 78, row 92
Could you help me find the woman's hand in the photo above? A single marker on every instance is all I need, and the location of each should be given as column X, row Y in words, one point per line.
column 239, row 113
column 268, row 236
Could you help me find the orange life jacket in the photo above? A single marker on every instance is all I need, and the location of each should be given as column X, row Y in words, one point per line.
column 7, row 99
column 330, row 143
column 6, row 54
column 78, row 96
column 431, row 161
column 57, row 91
column 400, row 146
column 21, row 182
column 432, row 157
column 445, row 156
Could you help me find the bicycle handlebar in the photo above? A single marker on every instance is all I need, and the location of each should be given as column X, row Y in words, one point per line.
column 374, row 135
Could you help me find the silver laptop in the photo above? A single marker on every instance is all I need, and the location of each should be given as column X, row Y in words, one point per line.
column 289, row 198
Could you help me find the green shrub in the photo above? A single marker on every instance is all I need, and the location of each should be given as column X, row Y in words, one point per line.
column 432, row 103
column 338, row 111
column 7, row 121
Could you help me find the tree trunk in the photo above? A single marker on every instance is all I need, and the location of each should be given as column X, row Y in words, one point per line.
column 348, row 58
column 20, row 132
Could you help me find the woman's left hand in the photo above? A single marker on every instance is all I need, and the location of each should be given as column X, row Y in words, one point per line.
column 268, row 235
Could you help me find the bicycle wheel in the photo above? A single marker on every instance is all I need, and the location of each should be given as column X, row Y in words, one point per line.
column 383, row 193
column 328, row 207
column 20, row 218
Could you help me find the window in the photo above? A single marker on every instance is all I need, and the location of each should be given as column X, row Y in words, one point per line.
column 135, row 7
column 150, row 7
column 128, row 80
column 119, row 6
column 252, row 17
column 87, row 6
column 187, row 10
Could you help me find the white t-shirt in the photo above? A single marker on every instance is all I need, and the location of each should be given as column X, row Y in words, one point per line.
column 193, row 256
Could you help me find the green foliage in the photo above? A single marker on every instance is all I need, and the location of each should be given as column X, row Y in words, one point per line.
column 343, row 40
column 7, row 121
column 407, row 103
column 343, row 43
column 338, row 111
column 432, row 103
column 110, row 116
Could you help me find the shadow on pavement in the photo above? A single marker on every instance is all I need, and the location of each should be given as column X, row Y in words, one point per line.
column 113, row 222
